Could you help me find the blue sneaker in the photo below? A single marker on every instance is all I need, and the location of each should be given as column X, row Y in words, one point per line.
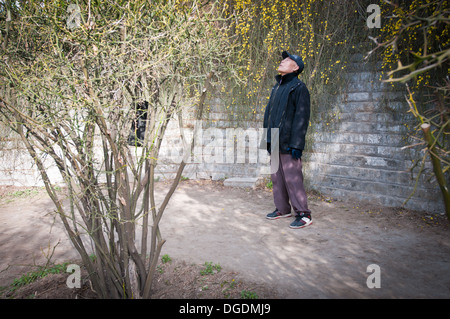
column 276, row 214
column 301, row 220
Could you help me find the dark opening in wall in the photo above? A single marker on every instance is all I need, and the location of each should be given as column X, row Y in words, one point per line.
column 137, row 133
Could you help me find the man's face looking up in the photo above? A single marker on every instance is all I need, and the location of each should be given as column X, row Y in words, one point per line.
column 287, row 66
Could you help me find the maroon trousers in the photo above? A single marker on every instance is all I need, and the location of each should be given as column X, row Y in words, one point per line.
column 287, row 186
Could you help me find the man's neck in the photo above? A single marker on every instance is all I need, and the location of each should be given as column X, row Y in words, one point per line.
column 283, row 77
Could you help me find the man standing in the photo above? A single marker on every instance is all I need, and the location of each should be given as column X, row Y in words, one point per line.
column 288, row 110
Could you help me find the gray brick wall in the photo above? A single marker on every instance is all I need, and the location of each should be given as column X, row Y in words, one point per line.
column 357, row 153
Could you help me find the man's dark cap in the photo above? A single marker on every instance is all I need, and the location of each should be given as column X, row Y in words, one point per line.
column 296, row 58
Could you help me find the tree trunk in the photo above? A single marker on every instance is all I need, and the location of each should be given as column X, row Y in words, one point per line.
column 437, row 167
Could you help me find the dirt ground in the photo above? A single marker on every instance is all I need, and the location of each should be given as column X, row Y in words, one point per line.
column 208, row 222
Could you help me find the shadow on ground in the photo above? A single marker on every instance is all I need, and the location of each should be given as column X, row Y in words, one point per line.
column 207, row 222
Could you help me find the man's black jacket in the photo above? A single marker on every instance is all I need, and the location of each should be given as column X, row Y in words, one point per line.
column 289, row 110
